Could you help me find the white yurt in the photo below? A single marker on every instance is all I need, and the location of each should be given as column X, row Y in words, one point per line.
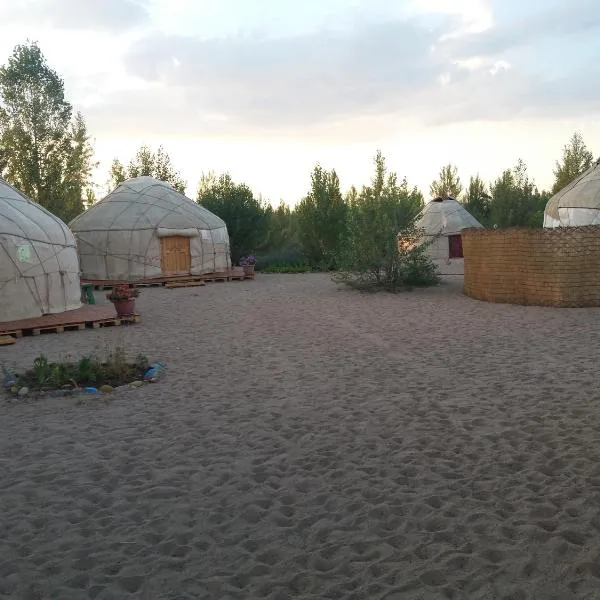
column 446, row 218
column 147, row 229
column 39, row 268
column 578, row 203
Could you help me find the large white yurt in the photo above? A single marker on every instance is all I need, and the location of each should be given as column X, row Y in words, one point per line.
column 39, row 268
column 578, row 203
column 147, row 229
column 446, row 218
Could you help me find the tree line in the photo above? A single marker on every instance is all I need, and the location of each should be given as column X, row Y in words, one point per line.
column 47, row 153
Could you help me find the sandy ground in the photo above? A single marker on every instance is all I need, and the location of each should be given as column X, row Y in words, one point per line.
column 314, row 442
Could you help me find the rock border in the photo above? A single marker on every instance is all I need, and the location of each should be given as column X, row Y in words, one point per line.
column 78, row 393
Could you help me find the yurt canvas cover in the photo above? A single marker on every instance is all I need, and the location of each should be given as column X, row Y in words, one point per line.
column 39, row 269
column 446, row 218
column 145, row 228
column 578, row 203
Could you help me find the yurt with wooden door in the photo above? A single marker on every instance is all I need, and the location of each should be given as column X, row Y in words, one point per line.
column 578, row 203
column 146, row 229
column 442, row 221
column 39, row 269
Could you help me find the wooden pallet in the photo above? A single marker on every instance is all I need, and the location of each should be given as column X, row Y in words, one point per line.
column 137, row 284
column 233, row 274
column 116, row 321
column 5, row 340
column 237, row 274
column 85, row 317
column 180, row 284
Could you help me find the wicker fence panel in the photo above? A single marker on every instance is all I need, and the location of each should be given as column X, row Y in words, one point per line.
column 544, row 267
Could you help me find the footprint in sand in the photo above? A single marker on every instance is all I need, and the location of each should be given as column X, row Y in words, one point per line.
column 434, row 501
column 436, row 524
column 573, row 537
column 131, row 583
column 433, row 578
column 269, row 557
column 493, row 555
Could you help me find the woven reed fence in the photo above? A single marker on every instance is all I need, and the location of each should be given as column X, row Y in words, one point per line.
column 543, row 267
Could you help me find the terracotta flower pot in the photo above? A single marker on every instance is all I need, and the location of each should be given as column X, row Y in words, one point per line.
column 125, row 308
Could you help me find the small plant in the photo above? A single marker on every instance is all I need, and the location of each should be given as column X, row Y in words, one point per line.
column 248, row 261
column 114, row 370
column 122, row 292
column 294, row 267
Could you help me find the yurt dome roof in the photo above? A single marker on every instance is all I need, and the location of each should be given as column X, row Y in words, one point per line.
column 145, row 203
column 582, row 193
column 445, row 215
column 21, row 217
column 39, row 267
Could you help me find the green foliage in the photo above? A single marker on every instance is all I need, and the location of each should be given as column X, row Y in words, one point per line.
column 575, row 160
column 150, row 164
column 282, row 231
column 477, row 199
column 371, row 258
column 279, row 257
column 516, row 201
column 45, row 151
column 287, row 267
column 447, row 184
column 322, row 219
column 114, row 370
column 247, row 218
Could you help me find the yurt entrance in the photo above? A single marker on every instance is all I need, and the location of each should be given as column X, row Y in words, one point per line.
column 455, row 248
column 175, row 256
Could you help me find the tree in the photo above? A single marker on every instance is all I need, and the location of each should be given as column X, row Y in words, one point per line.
column 322, row 219
column 283, row 230
column 371, row 257
column 447, row 184
column 150, row 164
column 575, row 160
column 45, row 150
column 516, row 201
column 477, row 200
column 247, row 218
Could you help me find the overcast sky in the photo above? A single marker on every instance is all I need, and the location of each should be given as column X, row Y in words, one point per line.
column 266, row 88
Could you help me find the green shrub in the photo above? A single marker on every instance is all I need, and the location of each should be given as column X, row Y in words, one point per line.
column 113, row 370
column 280, row 257
column 288, row 268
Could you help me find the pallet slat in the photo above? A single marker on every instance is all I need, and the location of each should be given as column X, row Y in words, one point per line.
column 235, row 274
column 180, row 284
column 77, row 326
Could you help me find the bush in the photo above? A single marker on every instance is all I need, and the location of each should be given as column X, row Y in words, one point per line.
column 288, row 268
column 386, row 265
column 279, row 258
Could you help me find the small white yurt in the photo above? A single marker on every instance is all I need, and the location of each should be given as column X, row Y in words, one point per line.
column 39, row 268
column 578, row 203
column 446, row 218
column 147, row 229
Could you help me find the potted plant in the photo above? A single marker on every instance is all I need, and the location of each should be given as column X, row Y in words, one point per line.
column 123, row 297
column 248, row 265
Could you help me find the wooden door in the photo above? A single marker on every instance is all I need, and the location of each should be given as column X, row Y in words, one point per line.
column 455, row 249
column 175, row 257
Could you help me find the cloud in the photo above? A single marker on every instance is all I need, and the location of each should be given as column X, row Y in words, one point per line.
column 555, row 23
column 295, row 81
column 381, row 72
column 97, row 15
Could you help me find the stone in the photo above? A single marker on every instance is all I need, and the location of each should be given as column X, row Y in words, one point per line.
column 136, row 384
column 23, row 391
column 107, row 389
